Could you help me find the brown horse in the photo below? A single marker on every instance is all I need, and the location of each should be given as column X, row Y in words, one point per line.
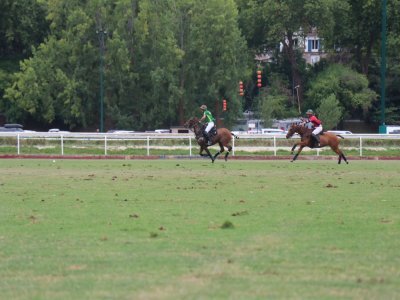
column 223, row 138
column 326, row 139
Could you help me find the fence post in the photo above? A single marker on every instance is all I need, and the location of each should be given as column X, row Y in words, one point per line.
column 233, row 146
column 190, row 146
column 62, row 144
column 105, row 145
column 360, row 145
column 148, row 146
column 275, row 146
column 18, row 150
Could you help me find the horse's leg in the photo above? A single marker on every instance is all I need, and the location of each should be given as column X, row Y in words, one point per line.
column 294, row 147
column 229, row 151
column 340, row 153
column 206, row 155
column 335, row 148
column 220, row 151
column 298, row 152
column 201, row 152
column 216, row 154
column 209, row 154
column 345, row 159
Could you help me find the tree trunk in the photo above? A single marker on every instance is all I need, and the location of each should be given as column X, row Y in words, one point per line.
column 290, row 53
column 366, row 59
column 181, row 104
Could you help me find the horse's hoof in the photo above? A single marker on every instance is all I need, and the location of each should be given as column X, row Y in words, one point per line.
column 292, row 161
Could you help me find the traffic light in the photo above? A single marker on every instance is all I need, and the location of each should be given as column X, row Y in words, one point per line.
column 241, row 90
column 259, row 78
column 223, row 105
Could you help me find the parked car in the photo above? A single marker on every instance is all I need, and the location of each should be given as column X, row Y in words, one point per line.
column 11, row 128
column 340, row 131
column 272, row 131
column 162, row 131
column 56, row 130
column 121, row 131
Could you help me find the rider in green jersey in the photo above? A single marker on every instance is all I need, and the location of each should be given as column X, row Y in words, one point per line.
column 207, row 115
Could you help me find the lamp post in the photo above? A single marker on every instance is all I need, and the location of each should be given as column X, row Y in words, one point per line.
column 298, row 100
column 382, row 127
column 101, row 34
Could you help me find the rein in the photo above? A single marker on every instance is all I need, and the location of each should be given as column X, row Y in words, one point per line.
column 197, row 131
column 301, row 129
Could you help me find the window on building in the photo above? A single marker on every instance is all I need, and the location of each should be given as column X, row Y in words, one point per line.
column 313, row 45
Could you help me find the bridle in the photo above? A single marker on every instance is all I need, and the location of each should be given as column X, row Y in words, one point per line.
column 194, row 127
column 297, row 128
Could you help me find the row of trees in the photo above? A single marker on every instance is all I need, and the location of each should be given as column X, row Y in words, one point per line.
column 163, row 58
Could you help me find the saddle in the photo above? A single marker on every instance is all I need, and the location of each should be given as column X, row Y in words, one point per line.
column 314, row 142
column 211, row 133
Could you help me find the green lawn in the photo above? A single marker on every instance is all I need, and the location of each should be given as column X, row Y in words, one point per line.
column 189, row 229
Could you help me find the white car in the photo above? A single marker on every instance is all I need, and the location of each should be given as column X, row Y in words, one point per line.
column 56, row 130
column 121, row 131
column 162, row 131
column 339, row 132
column 272, row 131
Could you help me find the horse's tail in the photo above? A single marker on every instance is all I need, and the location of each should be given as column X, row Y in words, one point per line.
column 340, row 136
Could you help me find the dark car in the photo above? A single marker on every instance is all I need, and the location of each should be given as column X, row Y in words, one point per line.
column 12, row 128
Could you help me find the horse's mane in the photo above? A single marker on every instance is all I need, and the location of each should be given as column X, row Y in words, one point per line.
column 195, row 124
column 301, row 129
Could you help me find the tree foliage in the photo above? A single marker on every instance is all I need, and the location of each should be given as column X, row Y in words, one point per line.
column 330, row 111
column 162, row 60
column 348, row 87
column 22, row 26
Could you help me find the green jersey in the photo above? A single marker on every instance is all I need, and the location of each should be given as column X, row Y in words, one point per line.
column 209, row 116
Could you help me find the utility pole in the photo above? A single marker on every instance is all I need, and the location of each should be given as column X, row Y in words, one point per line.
column 382, row 127
column 298, row 100
column 101, row 35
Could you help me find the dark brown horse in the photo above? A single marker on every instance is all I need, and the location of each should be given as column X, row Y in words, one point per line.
column 326, row 139
column 223, row 138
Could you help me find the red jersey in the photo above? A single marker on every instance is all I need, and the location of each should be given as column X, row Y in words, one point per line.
column 316, row 122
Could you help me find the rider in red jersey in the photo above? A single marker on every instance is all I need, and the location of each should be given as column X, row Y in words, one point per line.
column 317, row 125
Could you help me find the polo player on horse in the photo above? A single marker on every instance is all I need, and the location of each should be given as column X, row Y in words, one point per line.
column 207, row 115
column 316, row 126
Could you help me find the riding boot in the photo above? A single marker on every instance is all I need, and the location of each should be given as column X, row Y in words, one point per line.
column 208, row 139
column 316, row 137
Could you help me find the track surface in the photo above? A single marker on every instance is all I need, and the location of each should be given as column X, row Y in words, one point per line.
column 154, row 157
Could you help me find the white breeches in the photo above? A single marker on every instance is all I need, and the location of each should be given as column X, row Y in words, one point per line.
column 209, row 126
column 317, row 130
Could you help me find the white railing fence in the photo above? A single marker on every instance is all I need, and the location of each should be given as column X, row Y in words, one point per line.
column 109, row 143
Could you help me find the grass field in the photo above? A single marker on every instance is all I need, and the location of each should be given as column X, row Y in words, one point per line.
column 189, row 229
